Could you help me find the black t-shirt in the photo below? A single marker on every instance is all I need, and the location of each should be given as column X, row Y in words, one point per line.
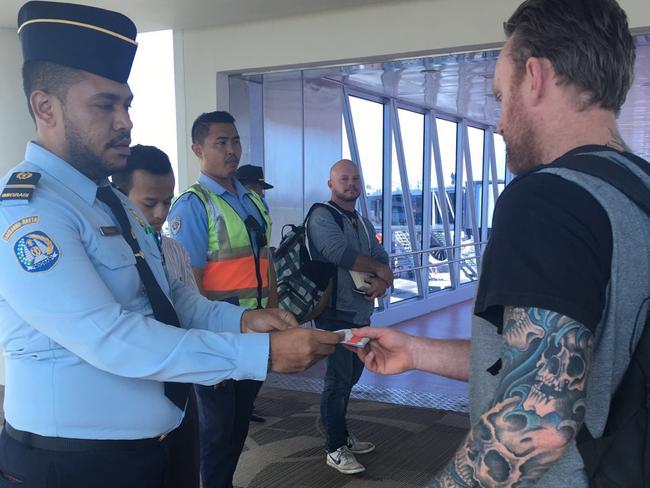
column 550, row 247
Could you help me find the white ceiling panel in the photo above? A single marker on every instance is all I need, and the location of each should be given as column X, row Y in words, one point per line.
column 150, row 15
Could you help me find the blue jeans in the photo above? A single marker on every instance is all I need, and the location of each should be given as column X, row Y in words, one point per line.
column 224, row 416
column 344, row 369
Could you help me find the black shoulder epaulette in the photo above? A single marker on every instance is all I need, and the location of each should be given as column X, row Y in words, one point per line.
column 21, row 186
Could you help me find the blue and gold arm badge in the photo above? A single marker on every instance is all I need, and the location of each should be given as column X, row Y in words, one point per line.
column 21, row 186
column 36, row 252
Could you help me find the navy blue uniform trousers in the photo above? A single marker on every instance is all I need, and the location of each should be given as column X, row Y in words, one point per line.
column 183, row 447
column 171, row 463
column 22, row 466
column 224, row 416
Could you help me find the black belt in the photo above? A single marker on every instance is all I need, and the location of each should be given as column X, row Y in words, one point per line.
column 66, row 444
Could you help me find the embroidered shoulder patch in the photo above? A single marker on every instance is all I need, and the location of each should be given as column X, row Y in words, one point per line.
column 36, row 252
column 20, row 186
column 13, row 228
column 175, row 225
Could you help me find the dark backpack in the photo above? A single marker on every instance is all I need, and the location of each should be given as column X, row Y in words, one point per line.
column 621, row 457
column 305, row 286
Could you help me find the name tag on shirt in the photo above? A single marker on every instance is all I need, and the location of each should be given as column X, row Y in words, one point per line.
column 109, row 231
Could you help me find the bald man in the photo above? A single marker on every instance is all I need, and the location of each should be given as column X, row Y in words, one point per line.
column 353, row 248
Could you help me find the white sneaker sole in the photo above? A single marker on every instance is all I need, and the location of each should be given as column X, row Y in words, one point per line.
column 340, row 469
column 363, row 451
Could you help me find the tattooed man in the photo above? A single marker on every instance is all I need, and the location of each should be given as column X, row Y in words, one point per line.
column 565, row 276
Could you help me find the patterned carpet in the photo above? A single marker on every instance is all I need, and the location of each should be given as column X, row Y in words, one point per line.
column 287, row 450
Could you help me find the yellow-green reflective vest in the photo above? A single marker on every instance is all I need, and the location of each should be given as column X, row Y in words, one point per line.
column 231, row 270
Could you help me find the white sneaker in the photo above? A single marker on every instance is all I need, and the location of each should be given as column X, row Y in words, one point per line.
column 344, row 461
column 359, row 447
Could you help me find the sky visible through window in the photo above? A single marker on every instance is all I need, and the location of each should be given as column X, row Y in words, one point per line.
column 153, row 111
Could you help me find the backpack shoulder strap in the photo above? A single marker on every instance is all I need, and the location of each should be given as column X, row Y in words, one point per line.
column 608, row 169
column 613, row 173
column 338, row 218
column 336, row 215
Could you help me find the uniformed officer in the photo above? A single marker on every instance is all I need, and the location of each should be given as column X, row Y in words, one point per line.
column 96, row 364
column 226, row 231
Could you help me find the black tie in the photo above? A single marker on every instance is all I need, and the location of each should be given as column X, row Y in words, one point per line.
column 163, row 310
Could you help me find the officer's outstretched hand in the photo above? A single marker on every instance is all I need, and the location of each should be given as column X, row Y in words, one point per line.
column 388, row 352
column 267, row 320
column 295, row 350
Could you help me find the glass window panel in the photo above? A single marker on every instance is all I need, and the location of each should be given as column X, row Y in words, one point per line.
column 468, row 262
column 500, row 153
column 405, row 283
column 475, row 139
column 412, row 129
column 438, row 273
column 368, row 118
column 447, row 136
column 490, row 209
column 447, row 139
column 500, row 157
column 345, row 144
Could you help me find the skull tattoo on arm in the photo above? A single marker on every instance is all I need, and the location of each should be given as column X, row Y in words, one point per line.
column 539, row 406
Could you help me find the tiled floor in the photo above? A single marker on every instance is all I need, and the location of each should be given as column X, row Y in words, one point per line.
column 287, row 450
column 449, row 323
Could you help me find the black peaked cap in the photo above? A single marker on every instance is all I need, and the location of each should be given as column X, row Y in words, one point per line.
column 92, row 39
column 252, row 174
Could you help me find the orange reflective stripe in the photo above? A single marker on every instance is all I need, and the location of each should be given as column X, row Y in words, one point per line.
column 234, row 274
column 246, row 294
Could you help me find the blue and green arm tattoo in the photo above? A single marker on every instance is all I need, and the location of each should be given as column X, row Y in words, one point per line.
column 538, row 408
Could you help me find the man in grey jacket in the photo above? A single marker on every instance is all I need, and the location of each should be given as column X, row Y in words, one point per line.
column 352, row 248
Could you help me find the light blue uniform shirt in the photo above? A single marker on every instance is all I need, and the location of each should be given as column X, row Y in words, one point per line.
column 84, row 356
column 188, row 220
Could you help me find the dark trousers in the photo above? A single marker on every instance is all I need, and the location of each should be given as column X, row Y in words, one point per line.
column 224, row 416
column 183, row 447
column 344, row 369
column 22, row 466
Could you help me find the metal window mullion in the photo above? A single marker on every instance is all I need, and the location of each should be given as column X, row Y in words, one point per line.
column 406, row 192
column 508, row 175
column 426, row 198
column 407, row 103
column 372, row 96
column 444, row 203
column 458, row 193
column 485, row 185
column 494, row 177
column 354, row 149
column 303, row 150
column 470, row 193
column 493, row 167
column 387, row 193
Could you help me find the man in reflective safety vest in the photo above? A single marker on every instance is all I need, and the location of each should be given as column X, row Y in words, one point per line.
column 226, row 230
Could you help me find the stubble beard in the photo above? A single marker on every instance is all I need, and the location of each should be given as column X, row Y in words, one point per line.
column 86, row 160
column 523, row 150
column 345, row 198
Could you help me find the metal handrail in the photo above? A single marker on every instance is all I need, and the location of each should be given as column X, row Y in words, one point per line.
column 433, row 249
column 434, row 265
